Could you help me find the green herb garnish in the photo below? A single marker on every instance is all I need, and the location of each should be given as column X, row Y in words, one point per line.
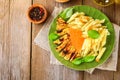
column 78, row 61
column 93, row 34
column 67, row 13
column 53, row 36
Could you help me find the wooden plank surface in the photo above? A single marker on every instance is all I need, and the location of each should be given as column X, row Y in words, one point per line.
column 41, row 67
column 117, row 21
column 21, row 59
column 14, row 40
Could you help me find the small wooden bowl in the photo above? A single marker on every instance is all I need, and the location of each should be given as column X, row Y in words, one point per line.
column 62, row 1
column 43, row 17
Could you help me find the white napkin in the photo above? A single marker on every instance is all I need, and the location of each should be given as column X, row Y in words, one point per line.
column 42, row 37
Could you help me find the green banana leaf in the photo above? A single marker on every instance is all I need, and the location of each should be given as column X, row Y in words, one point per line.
column 96, row 14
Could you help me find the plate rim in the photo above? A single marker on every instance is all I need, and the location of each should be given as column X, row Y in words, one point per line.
column 79, row 69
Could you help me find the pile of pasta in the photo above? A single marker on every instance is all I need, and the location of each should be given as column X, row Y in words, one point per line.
column 79, row 20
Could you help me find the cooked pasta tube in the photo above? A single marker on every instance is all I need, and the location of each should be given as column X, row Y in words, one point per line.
column 87, row 24
column 74, row 16
column 101, row 52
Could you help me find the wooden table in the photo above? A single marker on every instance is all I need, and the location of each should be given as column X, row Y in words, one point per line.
column 21, row 59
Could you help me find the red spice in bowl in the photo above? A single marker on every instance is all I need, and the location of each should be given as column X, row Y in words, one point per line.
column 37, row 13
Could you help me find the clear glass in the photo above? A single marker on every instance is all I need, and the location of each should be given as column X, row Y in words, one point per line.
column 117, row 1
column 104, row 2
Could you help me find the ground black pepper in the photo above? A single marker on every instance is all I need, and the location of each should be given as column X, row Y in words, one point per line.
column 36, row 13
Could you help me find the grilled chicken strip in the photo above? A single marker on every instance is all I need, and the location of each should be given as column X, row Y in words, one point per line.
column 71, row 51
column 74, row 55
column 61, row 24
column 61, row 39
column 60, row 21
column 63, row 32
column 65, row 50
column 62, row 45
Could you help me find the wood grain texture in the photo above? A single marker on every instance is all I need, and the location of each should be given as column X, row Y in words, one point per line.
column 4, row 26
column 14, row 40
column 21, row 59
column 41, row 67
column 117, row 21
column 40, row 59
column 117, row 73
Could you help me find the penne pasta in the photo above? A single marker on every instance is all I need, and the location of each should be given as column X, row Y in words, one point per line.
column 101, row 51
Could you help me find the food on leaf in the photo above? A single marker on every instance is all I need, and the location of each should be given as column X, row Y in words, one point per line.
column 81, row 38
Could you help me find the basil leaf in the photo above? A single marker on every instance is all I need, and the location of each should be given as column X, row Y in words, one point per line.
column 89, row 58
column 93, row 34
column 53, row 36
column 67, row 13
column 77, row 61
column 63, row 14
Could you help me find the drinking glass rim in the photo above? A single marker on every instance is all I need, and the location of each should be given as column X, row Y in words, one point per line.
column 103, row 5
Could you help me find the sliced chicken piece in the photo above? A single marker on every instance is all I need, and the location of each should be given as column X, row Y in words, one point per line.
column 62, row 45
column 65, row 50
column 71, row 51
column 61, row 24
column 61, row 39
column 73, row 55
column 60, row 27
column 63, row 32
column 62, row 54
column 60, row 21
column 57, row 42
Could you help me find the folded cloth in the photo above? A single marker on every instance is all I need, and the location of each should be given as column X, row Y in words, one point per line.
column 42, row 37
